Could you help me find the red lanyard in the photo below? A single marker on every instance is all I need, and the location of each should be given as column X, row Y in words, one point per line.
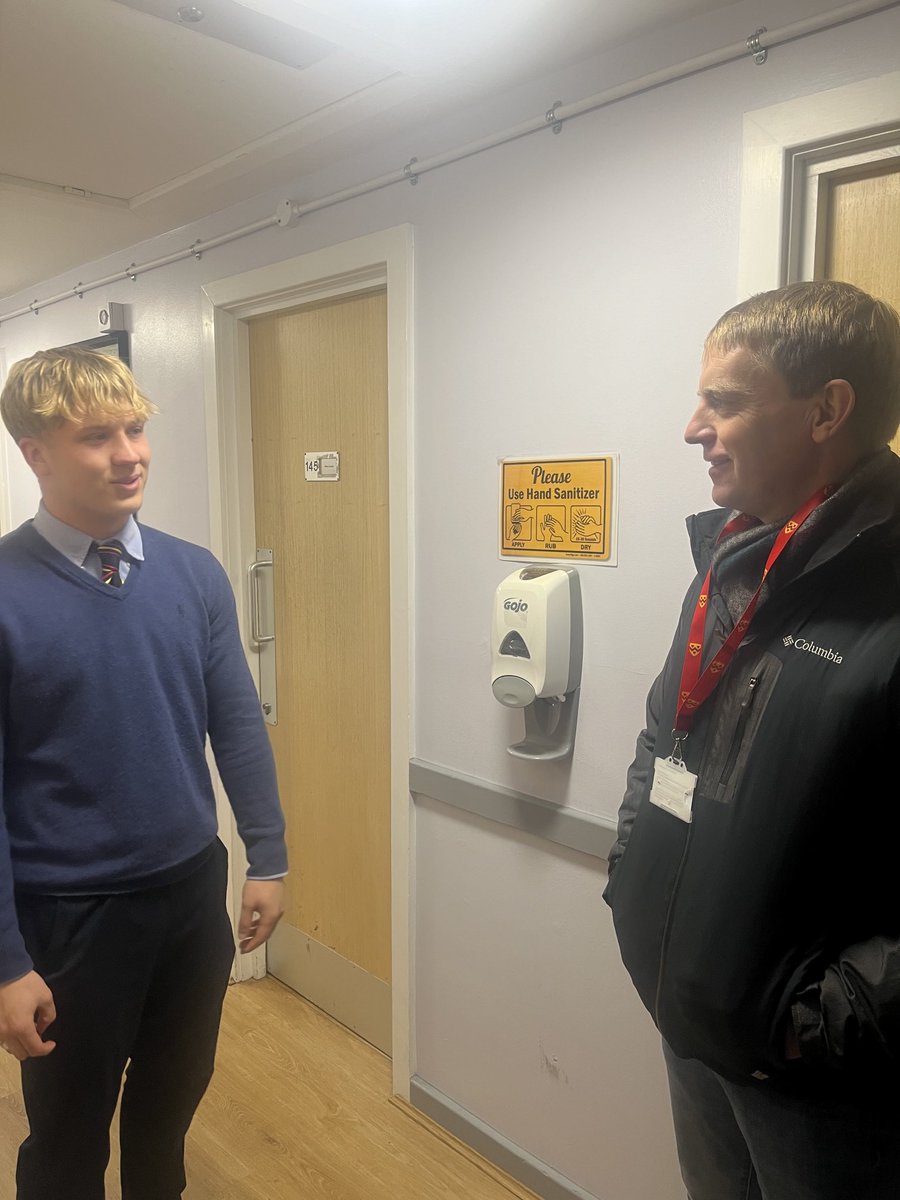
column 696, row 688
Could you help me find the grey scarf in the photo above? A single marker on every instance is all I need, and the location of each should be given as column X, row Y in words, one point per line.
column 738, row 562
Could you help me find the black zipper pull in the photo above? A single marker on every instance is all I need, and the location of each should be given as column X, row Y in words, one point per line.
column 739, row 730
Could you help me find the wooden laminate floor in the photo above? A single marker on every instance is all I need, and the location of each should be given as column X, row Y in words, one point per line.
column 299, row 1109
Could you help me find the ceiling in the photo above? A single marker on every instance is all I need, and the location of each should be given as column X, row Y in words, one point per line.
column 124, row 119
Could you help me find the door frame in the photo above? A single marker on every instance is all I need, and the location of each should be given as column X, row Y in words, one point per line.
column 5, row 442
column 378, row 259
column 770, row 136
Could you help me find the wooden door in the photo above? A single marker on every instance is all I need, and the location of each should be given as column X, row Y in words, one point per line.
column 318, row 379
column 858, row 231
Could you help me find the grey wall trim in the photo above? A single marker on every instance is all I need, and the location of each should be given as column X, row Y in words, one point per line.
column 492, row 1145
column 565, row 826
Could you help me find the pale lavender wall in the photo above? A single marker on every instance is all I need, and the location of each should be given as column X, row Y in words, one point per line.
column 563, row 288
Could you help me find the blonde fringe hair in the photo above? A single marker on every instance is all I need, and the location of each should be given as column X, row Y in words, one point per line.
column 68, row 384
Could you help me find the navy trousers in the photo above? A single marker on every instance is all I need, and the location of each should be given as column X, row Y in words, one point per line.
column 811, row 1136
column 138, row 980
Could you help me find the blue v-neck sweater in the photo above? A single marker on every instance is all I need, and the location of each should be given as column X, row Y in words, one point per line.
column 106, row 698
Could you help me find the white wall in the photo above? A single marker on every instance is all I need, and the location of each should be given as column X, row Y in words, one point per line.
column 563, row 288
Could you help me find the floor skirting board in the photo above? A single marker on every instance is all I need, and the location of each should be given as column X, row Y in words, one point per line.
column 492, row 1145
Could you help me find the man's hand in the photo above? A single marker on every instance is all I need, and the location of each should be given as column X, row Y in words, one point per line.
column 262, row 907
column 26, row 1010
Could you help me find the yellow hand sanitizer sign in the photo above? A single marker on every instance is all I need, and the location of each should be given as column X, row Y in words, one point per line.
column 560, row 508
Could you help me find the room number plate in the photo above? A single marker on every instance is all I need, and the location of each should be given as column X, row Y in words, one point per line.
column 322, row 466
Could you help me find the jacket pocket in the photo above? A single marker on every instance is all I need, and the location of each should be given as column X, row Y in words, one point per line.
column 735, row 724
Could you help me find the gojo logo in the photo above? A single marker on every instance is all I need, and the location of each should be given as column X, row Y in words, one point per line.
column 516, row 605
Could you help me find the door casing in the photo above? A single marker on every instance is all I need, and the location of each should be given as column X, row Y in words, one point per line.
column 378, row 259
column 770, row 135
column 5, row 514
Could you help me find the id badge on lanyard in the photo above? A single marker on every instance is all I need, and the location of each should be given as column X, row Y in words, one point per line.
column 673, row 787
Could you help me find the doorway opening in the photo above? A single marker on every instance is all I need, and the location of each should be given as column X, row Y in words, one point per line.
column 272, row 306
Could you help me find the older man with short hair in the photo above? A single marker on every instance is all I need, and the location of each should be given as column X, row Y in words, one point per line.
column 754, row 880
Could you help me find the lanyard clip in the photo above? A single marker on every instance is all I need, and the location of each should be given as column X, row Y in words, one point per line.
column 679, row 737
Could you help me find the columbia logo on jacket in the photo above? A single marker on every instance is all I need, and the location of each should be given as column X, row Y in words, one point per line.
column 812, row 648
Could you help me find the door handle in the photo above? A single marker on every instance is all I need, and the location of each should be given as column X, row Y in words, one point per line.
column 264, row 597
column 256, row 634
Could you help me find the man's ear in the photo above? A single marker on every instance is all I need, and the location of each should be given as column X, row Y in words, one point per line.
column 34, row 454
column 835, row 403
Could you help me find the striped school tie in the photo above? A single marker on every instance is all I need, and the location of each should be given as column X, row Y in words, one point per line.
column 110, row 554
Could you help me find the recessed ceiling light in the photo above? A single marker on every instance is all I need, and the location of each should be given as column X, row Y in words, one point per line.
column 190, row 13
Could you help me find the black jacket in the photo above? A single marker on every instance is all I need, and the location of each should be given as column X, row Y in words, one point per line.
column 781, row 899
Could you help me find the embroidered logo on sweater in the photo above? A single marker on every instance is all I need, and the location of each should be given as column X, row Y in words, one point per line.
column 826, row 652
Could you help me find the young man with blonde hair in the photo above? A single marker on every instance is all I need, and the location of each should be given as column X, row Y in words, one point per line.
column 754, row 881
column 119, row 655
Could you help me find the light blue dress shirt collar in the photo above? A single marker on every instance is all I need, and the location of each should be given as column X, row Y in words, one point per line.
column 76, row 546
